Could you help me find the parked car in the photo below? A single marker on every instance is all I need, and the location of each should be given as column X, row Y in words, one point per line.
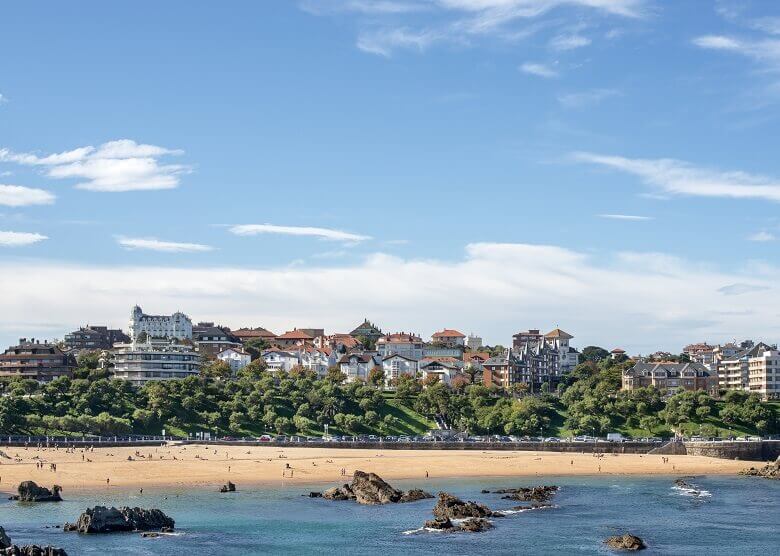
column 552, row 439
column 265, row 438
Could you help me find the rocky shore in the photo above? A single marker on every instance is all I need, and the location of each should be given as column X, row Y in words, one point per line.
column 7, row 548
column 769, row 471
column 111, row 520
column 625, row 542
column 533, row 494
column 370, row 488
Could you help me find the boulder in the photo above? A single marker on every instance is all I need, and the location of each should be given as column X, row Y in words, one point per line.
column 449, row 506
column 229, row 487
column 370, row 488
column 166, row 529
column 5, row 540
column 625, row 542
column 442, row 524
column 28, row 491
column 534, row 494
column 314, row 494
column 109, row 520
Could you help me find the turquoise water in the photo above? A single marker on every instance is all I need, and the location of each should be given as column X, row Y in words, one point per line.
column 739, row 516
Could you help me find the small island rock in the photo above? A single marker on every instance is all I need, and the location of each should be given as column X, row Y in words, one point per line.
column 29, row 491
column 109, row 520
column 625, row 542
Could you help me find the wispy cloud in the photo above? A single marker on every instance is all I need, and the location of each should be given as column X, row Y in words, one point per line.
column 568, row 42
column 631, row 217
column 3, row 99
column 762, row 236
column 322, row 233
column 153, row 244
column 115, row 166
column 586, row 98
column 387, row 25
column 740, row 288
column 20, row 196
column 682, row 178
column 19, row 239
column 540, row 70
column 765, row 51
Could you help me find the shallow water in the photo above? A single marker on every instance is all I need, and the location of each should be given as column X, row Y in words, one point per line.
column 741, row 515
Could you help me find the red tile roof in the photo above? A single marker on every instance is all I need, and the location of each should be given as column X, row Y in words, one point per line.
column 448, row 333
column 294, row 335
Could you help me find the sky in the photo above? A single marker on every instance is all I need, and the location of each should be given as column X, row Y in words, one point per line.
column 609, row 167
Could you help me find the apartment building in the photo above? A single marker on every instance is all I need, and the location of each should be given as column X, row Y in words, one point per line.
column 154, row 359
column 39, row 361
column 764, row 374
column 734, row 372
column 176, row 326
column 94, row 338
column 670, row 377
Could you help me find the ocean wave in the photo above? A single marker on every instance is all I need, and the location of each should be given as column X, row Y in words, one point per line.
column 694, row 492
column 523, row 510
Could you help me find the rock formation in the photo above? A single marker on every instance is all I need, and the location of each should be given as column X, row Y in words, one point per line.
column 471, row 525
column 625, row 542
column 534, row 494
column 229, row 487
column 9, row 549
column 452, row 507
column 370, row 488
column 109, row 520
column 28, row 491
column 769, row 471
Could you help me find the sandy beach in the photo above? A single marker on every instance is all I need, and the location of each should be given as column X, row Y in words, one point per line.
column 210, row 466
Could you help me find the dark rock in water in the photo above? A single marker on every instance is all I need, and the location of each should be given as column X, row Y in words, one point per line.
column 315, row 495
column 28, row 491
column 475, row 525
column 166, row 529
column 229, row 487
column 484, row 491
column 150, row 535
column 532, row 506
column 414, row 494
column 470, row 525
column 9, row 549
column 109, row 520
column 370, row 488
column 439, row 523
column 769, row 471
column 449, row 506
column 536, row 494
column 625, row 542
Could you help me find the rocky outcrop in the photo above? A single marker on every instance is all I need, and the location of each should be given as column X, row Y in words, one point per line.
column 370, row 488
column 28, row 491
column 625, row 542
column 533, row 494
column 452, row 507
column 769, row 471
column 229, row 487
column 109, row 520
column 9, row 549
column 471, row 525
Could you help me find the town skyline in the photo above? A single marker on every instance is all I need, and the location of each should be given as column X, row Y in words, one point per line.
column 486, row 164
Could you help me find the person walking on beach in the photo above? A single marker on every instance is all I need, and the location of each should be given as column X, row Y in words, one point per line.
column 426, row 474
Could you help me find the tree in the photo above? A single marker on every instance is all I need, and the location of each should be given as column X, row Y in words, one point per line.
column 216, row 369
column 376, row 377
column 593, row 353
column 649, row 423
column 283, row 425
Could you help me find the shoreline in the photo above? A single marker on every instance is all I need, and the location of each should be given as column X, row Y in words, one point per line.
column 208, row 467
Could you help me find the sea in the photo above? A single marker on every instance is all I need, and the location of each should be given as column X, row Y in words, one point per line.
column 720, row 515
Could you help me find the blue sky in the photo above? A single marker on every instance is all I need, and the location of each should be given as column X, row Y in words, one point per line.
column 608, row 166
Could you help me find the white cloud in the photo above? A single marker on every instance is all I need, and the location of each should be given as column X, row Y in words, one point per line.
column 3, row 99
column 682, row 178
column 586, row 98
column 540, row 70
column 643, row 301
column 386, row 25
column 19, row 239
column 762, row 236
column 153, row 244
column 765, row 51
column 323, row 233
column 631, row 217
column 20, row 196
column 115, row 166
column 384, row 41
column 740, row 289
column 568, row 42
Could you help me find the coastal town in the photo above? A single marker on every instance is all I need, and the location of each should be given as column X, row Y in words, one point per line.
column 170, row 347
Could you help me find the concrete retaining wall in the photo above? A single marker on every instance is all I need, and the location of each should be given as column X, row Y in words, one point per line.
column 755, row 451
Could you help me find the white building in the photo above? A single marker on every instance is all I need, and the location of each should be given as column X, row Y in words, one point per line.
column 237, row 358
column 356, row 366
column 473, row 342
column 764, row 374
column 444, row 368
column 395, row 365
column 568, row 357
column 307, row 357
column 402, row 343
column 178, row 325
column 142, row 362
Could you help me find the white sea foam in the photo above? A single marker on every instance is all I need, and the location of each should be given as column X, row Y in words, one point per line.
column 694, row 492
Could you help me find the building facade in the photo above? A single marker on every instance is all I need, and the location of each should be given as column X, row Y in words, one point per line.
column 39, row 361
column 94, row 338
column 671, row 378
column 764, row 374
column 403, row 343
column 176, row 326
column 154, row 359
column 236, row 357
column 211, row 340
column 449, row 338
